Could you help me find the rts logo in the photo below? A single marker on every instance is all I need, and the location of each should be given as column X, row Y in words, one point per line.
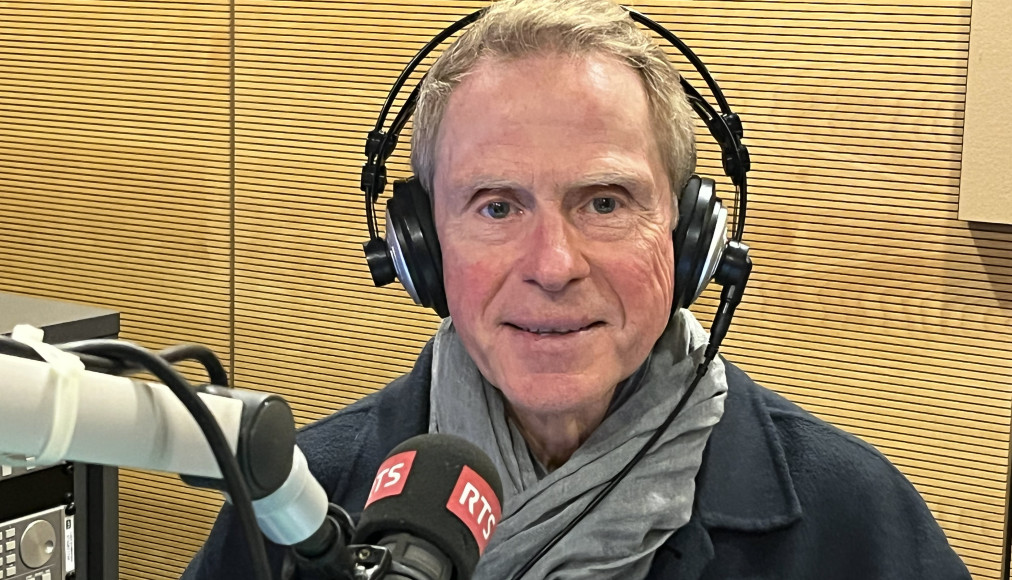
column 475, row 504
column 392, row 475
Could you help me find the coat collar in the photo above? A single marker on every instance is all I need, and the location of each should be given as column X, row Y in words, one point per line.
column 743, row 485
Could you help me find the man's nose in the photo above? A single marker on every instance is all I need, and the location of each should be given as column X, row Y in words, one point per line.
column 554, row 253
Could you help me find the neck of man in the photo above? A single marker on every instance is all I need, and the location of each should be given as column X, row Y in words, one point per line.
column 553, row 437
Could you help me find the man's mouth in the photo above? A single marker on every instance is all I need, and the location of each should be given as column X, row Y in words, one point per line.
column 553, row 329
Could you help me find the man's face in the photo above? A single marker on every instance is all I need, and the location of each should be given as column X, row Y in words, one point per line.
column 554, row 215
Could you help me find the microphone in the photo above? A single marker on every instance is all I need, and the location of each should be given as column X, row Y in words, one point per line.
column 432, row 509
column 434, row 505
column 121, row 421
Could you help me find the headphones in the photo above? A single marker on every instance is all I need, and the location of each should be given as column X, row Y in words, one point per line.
column 703, row 251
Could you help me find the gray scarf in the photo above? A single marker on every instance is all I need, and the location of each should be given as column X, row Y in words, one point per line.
column 619, row 537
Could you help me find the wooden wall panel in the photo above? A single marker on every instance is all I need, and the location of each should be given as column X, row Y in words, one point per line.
column 308, row 319
column 984, row 195
column 115, row 191
column 871, row 304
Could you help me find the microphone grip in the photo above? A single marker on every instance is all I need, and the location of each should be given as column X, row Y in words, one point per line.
column 415, row 559
column 324, row 555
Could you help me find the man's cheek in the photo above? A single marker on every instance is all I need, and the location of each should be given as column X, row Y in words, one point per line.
column 651, row 274
column 468, row 288
column 658, row 271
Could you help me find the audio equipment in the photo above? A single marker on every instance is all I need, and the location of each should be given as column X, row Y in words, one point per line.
column 78, row 501
column 434, row 504
column 38, row 546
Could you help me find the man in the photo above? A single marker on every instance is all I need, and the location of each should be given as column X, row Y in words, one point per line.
column 551, row 138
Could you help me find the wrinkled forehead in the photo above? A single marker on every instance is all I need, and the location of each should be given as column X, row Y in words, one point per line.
column 521, row 114
column 592, row 83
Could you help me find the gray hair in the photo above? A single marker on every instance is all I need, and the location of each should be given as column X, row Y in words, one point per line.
column 512, row 29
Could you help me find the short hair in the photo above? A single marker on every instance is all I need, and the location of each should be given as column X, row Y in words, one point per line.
column 511, row 29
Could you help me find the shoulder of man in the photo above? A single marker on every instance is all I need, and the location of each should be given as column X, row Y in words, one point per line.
column 822, row 499
column 343, row 451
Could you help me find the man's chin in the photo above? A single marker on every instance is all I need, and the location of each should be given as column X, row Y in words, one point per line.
column 557, row 392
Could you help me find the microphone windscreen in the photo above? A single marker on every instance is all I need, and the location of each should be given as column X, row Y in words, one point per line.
column 439, row 488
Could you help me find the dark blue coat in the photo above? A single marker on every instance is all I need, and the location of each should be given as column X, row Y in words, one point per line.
column 780, row 494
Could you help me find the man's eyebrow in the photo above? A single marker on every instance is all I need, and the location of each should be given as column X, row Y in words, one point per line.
column 467, row 188
column 630, row 181
column 477, row 183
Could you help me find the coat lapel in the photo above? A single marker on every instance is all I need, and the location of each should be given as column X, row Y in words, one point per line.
column 685, row 555
column 743, row 485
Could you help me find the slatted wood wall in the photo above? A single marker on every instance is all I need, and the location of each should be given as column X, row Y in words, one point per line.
column 195, row 166
column 115, row 190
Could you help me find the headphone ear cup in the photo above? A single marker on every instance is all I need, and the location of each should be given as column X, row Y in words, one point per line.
column 682, row 241
column 414, row 245
column 699, row 211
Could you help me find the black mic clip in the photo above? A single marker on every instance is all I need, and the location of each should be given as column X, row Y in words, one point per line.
column 326, row 554
column 732, row 273
column 373, row 184
column 401, row 556
column 370, row 562
column 398, row 561
column 378, row 147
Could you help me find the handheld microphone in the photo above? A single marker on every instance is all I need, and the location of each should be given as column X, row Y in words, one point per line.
column 434, row 505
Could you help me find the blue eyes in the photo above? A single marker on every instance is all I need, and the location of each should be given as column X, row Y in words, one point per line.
column 501, row 209
column 496, row 210
column 604, row 204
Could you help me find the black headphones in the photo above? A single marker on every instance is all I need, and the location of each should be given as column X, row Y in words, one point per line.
column 703, row 251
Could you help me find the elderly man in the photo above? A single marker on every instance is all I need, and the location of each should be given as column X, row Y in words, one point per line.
column 551, row 138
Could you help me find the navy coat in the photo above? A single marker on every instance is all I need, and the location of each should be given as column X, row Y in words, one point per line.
column 780, row 494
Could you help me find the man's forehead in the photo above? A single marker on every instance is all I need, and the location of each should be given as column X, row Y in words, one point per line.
column 584, row 80
column 547, row 122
